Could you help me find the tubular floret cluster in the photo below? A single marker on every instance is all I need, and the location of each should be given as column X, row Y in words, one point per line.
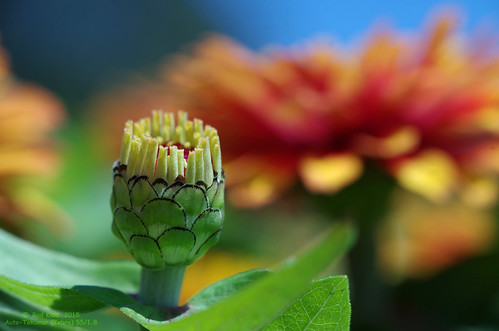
column 158, row 147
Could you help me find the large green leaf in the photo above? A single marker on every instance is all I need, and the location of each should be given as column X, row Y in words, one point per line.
column 325, row 306
column 53, row 297
column 28, row 263
column 224, row 289
column 260, row 296
column 258, row 304
column 89, row 298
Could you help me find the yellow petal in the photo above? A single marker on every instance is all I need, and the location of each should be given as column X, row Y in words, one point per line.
column 480, row 192
column 330, row 173
column 26, row 160
column 255, row 192
column 432, row 173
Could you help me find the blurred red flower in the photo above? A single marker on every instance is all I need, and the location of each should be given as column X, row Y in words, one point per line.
column 424, row 107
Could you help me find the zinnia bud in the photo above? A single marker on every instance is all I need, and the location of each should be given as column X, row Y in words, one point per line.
column 168, row 192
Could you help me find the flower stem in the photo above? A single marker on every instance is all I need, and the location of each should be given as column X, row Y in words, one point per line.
column 367, row 202
column 161, row 287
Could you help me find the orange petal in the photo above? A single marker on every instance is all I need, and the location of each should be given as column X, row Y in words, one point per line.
column 330, row 173
column 487, row 119
column 26, row 160
column 27, row 113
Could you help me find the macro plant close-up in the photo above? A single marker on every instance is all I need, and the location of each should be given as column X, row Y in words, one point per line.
column 168, row 199
column 263, row 165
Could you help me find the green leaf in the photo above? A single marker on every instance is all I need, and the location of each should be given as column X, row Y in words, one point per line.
column 247, row 301
column 28, row 263
column 11, row 319
column 325, row 306
column 258, row 304
column 225, row 288
column 204, row 299
column 89, row 298
column 53, row 297
column 14, row 312
column 79, row 299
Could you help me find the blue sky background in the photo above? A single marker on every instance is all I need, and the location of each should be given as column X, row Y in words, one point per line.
column 77, row 48
column 260, row 22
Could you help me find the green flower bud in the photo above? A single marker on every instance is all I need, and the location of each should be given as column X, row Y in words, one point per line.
column 168, row 192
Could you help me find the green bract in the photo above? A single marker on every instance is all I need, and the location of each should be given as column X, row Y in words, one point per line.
column 168, row 192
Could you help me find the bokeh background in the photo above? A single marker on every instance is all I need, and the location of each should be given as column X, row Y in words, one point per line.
column 384, row 113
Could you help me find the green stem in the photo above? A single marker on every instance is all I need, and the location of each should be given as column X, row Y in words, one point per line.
column 370, row 294
column 161, row 288
column 367, row 202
